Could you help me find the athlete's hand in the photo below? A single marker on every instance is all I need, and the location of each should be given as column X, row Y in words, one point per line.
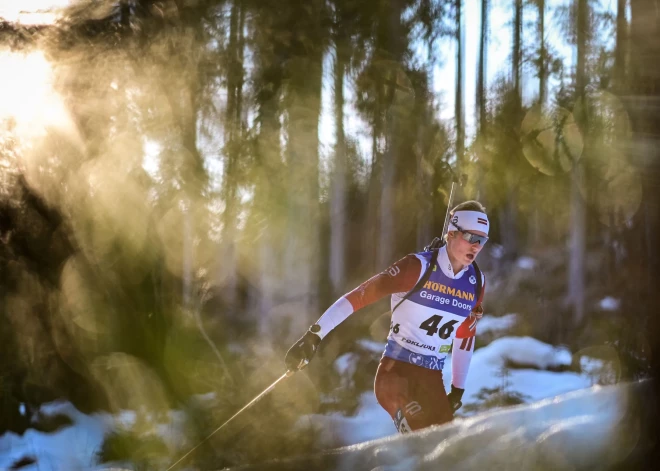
column 478, row 312
column 301, row 353
column 455, row 397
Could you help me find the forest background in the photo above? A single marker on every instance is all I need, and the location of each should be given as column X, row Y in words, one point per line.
column 186, row 185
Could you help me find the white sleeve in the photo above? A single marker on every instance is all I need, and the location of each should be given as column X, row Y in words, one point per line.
column 460, row 361
column 334, row 315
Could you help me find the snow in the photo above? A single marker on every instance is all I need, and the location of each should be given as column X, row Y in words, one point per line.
column 345, row 364
column 609, row 303
column 369, row 423
column 494, row 324
column 594, row 428
column 372, row 346
column 600, row 371
column 73, row 448
column 496, row 250
column 526, row 263
column 524, row 351
column 533, row 383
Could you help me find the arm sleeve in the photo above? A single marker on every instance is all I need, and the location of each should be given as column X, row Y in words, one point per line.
column 461, row 356
column 468, row 327
column 463, row 346
column 400, row 277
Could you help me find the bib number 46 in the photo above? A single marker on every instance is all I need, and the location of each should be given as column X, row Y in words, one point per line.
column 431, row 324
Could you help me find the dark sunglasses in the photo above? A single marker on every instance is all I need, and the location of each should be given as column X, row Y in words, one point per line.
column 470, row 237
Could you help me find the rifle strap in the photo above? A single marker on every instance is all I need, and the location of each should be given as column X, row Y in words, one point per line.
column 427, row 274
column 422, row 281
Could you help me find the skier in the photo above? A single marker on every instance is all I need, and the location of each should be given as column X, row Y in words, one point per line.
column 436, row 302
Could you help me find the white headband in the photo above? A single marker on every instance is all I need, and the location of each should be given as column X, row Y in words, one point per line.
column 470, row 221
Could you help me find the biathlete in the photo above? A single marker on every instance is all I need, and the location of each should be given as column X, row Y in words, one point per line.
column 436, row 303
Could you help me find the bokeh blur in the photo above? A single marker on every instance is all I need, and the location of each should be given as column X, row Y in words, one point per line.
column 186, row 185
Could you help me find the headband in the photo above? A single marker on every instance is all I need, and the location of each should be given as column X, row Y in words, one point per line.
column 470, row 221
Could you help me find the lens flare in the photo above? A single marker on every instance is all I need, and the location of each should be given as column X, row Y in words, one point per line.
column 552, row 141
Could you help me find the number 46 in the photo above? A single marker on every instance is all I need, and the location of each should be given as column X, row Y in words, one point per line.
column 430, row 325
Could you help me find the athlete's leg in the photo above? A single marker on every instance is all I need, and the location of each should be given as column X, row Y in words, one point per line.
column 391, row 391
column 414, row 397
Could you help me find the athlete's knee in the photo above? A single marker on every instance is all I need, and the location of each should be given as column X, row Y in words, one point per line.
column 401, row 417
column 400, row 422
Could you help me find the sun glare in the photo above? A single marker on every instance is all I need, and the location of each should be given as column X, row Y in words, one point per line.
column 26, row 93
column 31, row 12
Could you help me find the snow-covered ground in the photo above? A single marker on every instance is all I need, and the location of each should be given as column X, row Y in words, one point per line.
column 71, row 448
column 490, row 324
column 487, row 371
column 594, row 428
column 74, row 447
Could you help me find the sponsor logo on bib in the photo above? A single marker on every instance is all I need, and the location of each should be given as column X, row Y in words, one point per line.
column 416, row 359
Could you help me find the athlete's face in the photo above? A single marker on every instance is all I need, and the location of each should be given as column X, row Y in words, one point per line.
column 463, row 251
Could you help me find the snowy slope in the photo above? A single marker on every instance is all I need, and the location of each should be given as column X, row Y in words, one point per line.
column 594, row 428
column 74, row 447
column 531, row 384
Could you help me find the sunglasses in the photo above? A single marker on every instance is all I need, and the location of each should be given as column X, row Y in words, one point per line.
column 470, row 237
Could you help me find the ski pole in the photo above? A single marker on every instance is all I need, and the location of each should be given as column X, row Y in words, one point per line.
column 449, row 206
column 461, row 180
column 247, row 406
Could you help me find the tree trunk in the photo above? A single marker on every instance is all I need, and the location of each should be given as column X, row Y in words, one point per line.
column 267, row 222
column 482, row 116
column 517, row 47
column 576, row 274
column 304, row 110
column 621, row 46
column 508, row 214
column 233, row 136
column 483, row 70
column 338, row 192
column 536, row 229
column 391, row 36
column 459, row 111
column 543, row 74
column 644, row 104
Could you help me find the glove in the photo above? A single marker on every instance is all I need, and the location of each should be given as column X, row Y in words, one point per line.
column 301, row 353
column 455, row 398
column 478, row 312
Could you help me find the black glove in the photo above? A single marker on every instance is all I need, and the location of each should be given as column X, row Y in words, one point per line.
column 300, row 354
column 455, row 398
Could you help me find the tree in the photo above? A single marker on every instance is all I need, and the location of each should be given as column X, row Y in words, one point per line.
column 266, row 228
column 542, row 54
column 234, row 143
column 576, row 274
column 459, row 107
column 482, row 69
column 644, row 87
column 621, row 51
column 339, row 176
column 303, row 100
